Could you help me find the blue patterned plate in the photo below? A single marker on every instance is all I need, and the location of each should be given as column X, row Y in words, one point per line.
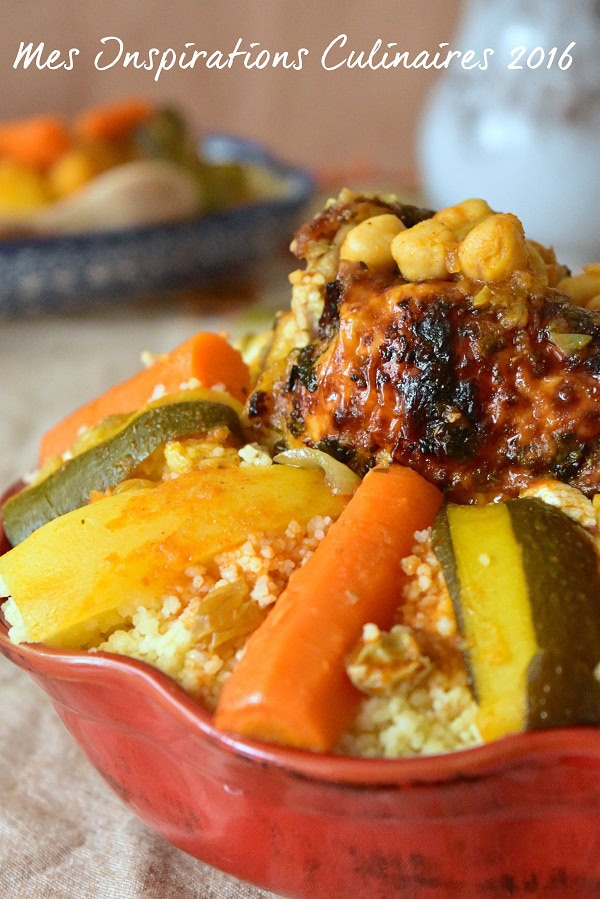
column 45, row 273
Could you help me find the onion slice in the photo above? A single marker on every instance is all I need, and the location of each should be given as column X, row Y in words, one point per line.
column 338, row 477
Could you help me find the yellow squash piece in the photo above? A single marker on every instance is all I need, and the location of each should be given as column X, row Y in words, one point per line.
column 77, row 578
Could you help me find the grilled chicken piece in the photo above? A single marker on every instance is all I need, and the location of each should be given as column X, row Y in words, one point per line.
column 480, row 398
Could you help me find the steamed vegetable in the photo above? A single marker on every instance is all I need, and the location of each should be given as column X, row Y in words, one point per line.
column 115, row 458
column 525, row 585
column 165, row 135
column 207, row 358
column 35, row 142
column 113, row 121
column 291, row 685
column 80, row 576
column 23, row 190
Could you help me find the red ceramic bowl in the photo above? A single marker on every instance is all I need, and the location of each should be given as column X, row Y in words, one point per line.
column 519, row 816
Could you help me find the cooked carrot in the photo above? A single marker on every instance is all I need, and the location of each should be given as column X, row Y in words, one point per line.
column 36, row 142
column 112, row 121
column 207, row 357
column 290, row 685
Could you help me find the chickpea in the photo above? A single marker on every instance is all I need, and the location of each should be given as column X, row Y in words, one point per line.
column 421, row 251
column 463, row 216
column 370, row 241
column 582, row 288
column 494, row 249
column 536, row 262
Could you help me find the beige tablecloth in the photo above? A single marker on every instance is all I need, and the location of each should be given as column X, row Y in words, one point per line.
column 62, row 832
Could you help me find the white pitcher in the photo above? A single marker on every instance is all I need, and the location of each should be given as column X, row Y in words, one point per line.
column 525, row 133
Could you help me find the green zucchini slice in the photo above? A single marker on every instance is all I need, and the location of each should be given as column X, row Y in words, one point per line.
column 111, row 461
column 525, row 585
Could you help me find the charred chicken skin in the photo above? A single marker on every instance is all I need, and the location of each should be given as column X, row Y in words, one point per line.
column 483, row 376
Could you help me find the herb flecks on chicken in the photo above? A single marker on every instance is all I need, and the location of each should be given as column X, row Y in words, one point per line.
column 440, row 342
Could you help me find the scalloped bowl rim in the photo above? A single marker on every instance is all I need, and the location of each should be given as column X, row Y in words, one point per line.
column 463, row 764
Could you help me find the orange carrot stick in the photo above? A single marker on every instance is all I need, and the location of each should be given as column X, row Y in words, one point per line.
column 290, row 685
column 207, row 357
column 113, row 121
column 36, row 142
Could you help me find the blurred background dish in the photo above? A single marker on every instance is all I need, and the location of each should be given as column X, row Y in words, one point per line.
column 126, row 163
column 52, row 272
